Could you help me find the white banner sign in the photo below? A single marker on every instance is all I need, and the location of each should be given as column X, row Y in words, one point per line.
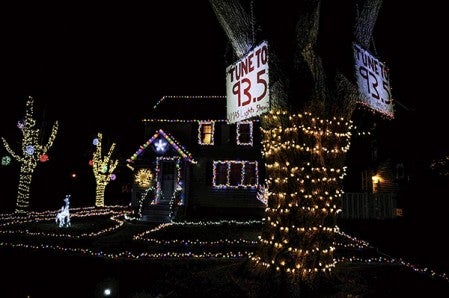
column 247, row 85
column 373, row 82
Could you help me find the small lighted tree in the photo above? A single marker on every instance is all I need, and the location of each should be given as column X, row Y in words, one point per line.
column 103, row 166
column 32, row 153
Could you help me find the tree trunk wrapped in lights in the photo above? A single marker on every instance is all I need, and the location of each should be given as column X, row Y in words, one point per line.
column 103, row 167
column 306, row 135
column 304, row 157
column 32, row 152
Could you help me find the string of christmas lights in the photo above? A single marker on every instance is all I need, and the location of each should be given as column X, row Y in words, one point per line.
column 181, row 150
column 240, row 133
column 157, row 120
column 120, row 212
column 249, row 174
column 187, row 97
column 206, row 132
column 32, row 152
column 102, row 166
column 304, row 157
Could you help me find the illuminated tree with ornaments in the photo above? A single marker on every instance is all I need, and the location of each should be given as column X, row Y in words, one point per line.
column 306, row 134
column 32, row 152
column 103, row 167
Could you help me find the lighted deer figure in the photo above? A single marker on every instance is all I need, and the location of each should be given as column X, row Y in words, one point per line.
column 32, row 153
column 103, row 166
column 63, row 216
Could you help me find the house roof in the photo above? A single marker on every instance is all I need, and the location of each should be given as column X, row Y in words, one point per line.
column 189, row 108
column 171, row 140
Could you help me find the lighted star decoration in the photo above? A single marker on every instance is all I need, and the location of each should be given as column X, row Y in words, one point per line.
column 143, row 177
column 113, row 177
column 6, row 160
column 160, row 145
column 95, row 142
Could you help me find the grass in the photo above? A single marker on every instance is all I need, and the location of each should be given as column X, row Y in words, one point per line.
column 183, row 277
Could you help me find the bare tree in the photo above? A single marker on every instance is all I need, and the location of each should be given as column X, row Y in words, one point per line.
column 306, row 134
column 32, row 152
column 103, row 167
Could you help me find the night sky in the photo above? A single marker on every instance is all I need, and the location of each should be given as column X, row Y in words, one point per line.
column 76, row 59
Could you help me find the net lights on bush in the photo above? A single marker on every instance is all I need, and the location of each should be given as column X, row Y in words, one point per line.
column 102, row 166
column 304, row 158
column 32, row 151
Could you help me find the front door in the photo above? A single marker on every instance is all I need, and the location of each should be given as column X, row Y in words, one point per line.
column 168, row 177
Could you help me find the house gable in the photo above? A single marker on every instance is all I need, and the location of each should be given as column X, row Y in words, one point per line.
column 161, row 142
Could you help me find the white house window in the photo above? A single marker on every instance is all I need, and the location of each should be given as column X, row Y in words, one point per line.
column 206, row 133
column 245, row 133
column 235, row 174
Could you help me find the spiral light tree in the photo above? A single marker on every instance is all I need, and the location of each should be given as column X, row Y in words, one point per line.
column 32, row 153
column 103, row 167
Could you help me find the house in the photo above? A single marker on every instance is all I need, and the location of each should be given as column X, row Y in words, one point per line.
column 376, row 176
column 193, row 162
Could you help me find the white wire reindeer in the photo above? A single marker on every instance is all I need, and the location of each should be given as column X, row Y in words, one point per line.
column 63, row 216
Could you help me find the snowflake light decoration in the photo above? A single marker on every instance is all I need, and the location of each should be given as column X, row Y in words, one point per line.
column 143, row 177
column 160, row 145
column 29, row 150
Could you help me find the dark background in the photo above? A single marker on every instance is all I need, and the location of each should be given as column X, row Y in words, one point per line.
column 101, row 68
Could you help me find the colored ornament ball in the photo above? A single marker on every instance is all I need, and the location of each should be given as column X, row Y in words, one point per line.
column 29, row 149
column 43, row 158
column 20, row 124
column 6, row 160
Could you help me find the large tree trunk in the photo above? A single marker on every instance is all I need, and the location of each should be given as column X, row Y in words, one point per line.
column 307, row 133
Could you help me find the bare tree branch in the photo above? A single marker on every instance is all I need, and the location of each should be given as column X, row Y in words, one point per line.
column 10, row 151
column 52, row 137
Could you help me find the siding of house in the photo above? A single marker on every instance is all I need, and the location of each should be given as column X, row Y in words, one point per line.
column 368, row 206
